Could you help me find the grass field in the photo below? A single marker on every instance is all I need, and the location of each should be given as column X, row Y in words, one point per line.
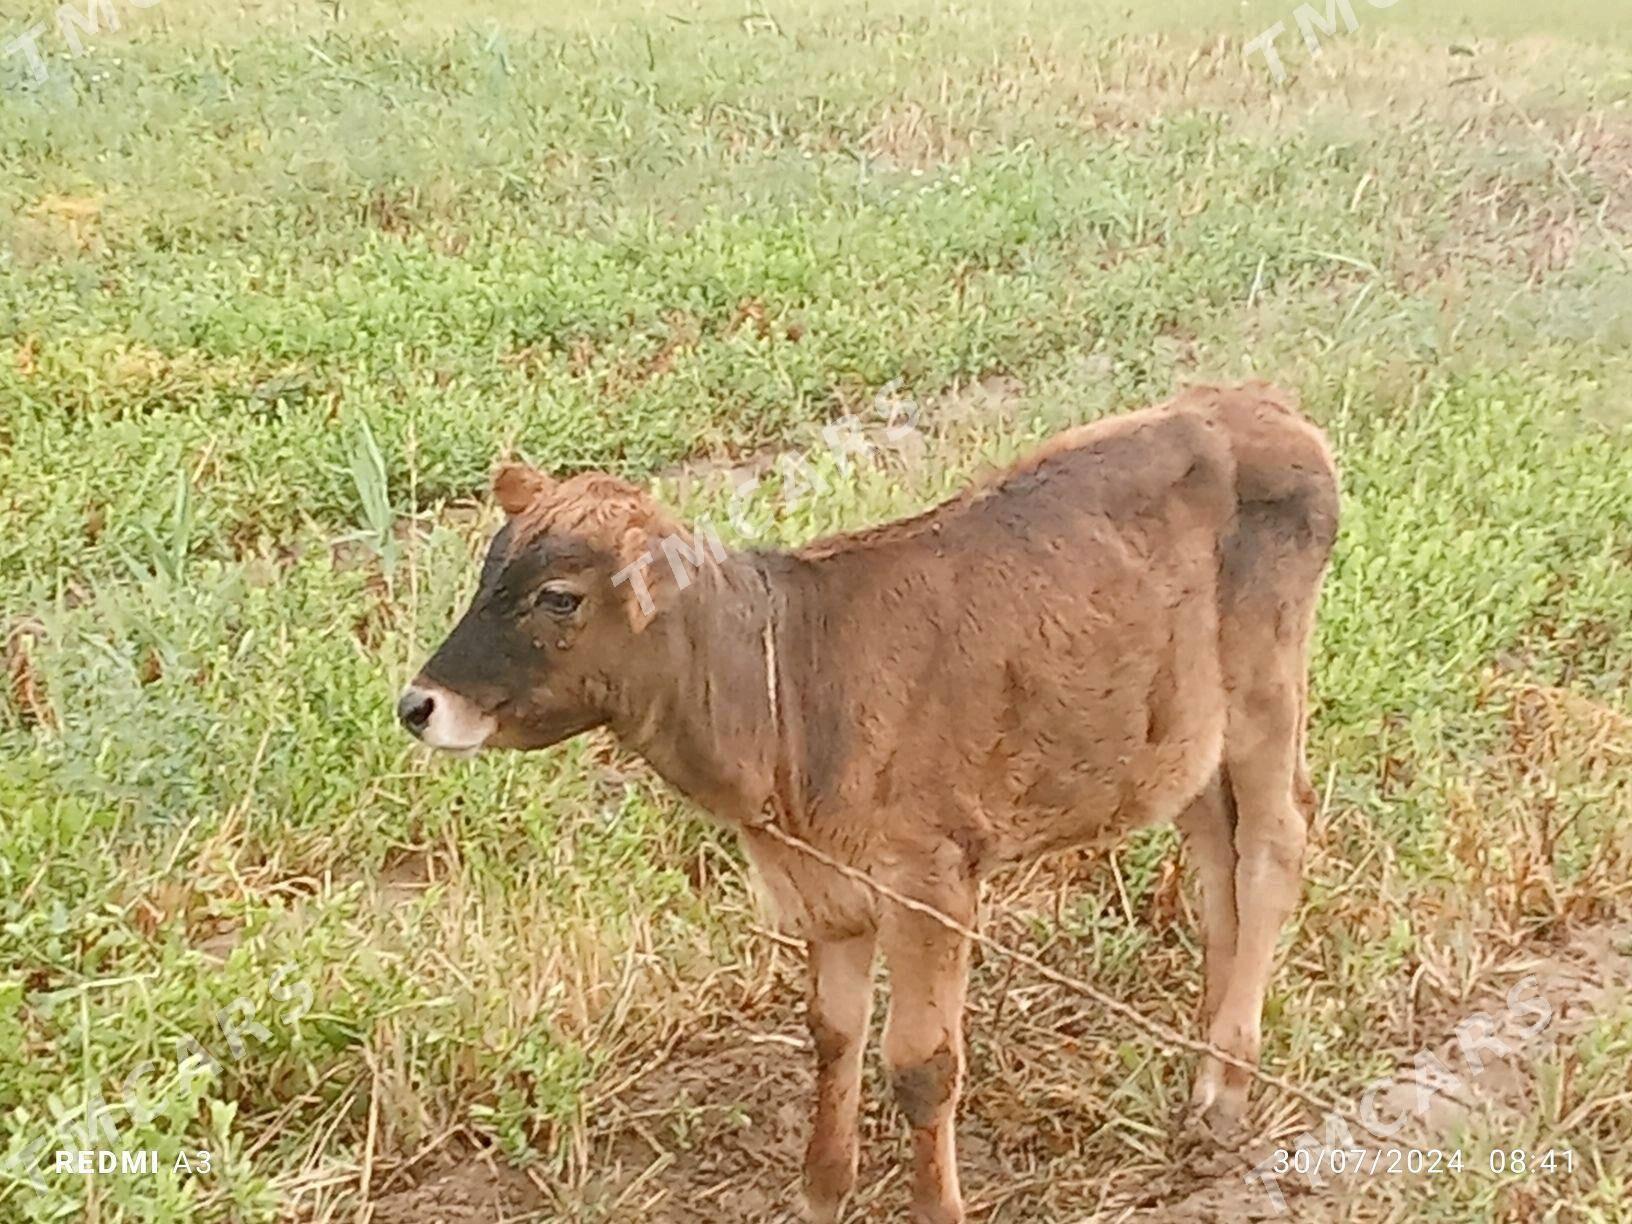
column 279, row 281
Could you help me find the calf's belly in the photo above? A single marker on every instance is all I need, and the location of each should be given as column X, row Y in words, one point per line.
column 1130, row 757
column 1095, row 805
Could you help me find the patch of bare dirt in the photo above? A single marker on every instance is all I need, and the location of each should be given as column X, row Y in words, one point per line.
column 464, row 1189
column 405, row 877
column 716, row 1132
column 713, row 1133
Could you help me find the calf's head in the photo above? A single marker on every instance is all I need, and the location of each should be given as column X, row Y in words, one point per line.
column 554, row 622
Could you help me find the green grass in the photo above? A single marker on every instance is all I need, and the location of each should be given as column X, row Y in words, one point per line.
column 277, row 285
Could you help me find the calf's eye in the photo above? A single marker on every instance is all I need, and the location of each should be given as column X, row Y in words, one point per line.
column 557, row 601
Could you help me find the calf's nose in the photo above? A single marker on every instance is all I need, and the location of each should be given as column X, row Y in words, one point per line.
column 414, row 709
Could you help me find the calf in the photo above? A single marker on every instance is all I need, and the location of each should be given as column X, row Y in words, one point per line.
column 1113, row 632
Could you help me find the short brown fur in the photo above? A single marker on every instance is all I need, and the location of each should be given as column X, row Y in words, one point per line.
column 1113, row 632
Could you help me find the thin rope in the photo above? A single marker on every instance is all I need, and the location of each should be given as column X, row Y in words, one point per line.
column 770, row 682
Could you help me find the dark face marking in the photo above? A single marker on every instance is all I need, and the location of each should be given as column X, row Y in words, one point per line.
column 530, row 648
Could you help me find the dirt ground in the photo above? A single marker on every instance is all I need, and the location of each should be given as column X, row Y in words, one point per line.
column 714, row 1131
column 463, row 1189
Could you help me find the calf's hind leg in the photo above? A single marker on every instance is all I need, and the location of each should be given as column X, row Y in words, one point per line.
column 1208, row 829
column 1261, row 754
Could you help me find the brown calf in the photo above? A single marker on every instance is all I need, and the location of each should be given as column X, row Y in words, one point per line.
column 1113, row 632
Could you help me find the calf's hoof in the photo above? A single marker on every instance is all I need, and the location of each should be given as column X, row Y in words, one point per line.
column 1222, row 1127
column 821, row 1210
column 827, row 1188
column 1217, row 1107
column 1220, row 1124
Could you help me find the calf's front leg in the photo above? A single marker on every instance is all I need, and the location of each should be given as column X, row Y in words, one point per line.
column 923, row 1047
column 841, row 1002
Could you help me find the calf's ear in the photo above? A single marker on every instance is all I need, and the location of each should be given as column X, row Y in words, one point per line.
column 518, row 486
